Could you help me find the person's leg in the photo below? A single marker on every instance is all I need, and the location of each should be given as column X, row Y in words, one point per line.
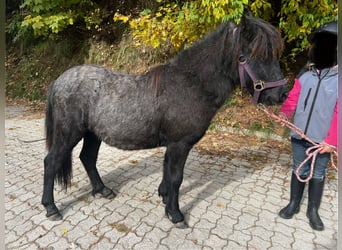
column 316, row 186
column 296, row 187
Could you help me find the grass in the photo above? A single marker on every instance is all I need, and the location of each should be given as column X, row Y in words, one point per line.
column 123, row 56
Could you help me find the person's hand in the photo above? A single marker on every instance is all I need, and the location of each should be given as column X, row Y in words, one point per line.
column 325, row 148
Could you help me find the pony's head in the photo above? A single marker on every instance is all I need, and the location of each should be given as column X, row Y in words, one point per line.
column 257, row 49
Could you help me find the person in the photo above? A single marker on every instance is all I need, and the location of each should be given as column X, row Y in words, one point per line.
column 312, row 104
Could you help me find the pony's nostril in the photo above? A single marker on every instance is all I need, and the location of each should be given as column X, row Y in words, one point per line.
column 269, row 101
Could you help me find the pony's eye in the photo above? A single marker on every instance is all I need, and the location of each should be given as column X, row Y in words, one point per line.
column 242, row 59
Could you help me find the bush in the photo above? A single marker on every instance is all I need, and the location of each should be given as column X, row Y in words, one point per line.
column 172, row 23
column 43, row 29
column 299, row 18
column 178, row 25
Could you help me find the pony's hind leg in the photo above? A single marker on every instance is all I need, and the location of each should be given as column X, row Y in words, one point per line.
column 56, row 163
column 88, row 156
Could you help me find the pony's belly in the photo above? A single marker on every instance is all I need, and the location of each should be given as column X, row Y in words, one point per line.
column 126, row 145
column 132, row 141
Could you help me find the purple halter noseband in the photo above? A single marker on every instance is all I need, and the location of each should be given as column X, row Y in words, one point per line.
column 259, row 85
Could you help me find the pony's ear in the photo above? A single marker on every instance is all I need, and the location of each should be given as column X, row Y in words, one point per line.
column 243, row 22
column 244, row 19
column 247, row 12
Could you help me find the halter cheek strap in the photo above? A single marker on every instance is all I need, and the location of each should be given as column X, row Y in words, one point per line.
column 258, row 85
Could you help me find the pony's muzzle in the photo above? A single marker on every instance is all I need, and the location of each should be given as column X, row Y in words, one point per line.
column 284, row 95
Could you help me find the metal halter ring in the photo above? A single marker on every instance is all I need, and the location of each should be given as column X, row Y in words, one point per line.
column 242, row 59
column 259, row 85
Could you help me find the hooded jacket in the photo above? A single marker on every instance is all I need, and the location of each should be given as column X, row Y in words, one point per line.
column 313, row 98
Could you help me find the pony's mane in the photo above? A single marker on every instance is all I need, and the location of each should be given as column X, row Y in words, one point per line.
column 207, row 55
column 263, row 39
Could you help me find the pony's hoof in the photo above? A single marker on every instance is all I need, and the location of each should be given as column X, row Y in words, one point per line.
column 177, row 220
column 181, row 225
column 105, row 193
column 55, row 217
column 52, row 213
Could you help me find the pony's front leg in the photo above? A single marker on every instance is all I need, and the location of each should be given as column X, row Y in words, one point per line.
column 163, row 187
column 173, row 177
column 52, row 212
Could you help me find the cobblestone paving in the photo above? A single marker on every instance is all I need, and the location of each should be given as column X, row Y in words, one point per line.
column 228, row 204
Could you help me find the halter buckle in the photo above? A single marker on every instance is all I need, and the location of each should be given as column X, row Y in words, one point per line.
column 259, row 85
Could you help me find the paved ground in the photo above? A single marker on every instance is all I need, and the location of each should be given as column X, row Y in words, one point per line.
column 227, row 202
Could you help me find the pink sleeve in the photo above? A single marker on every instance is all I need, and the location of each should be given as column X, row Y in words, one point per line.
column 331, row 138
column 290, row 103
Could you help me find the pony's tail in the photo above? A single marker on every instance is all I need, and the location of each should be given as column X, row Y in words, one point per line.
column 64, row 170
column 49, row 120
column 64, row 174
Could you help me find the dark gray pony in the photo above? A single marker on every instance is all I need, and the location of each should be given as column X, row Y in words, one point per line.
column 171, row 105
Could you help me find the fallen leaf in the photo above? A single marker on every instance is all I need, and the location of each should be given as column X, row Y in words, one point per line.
column 133, row 162
column 220, row 206
column 119, row 227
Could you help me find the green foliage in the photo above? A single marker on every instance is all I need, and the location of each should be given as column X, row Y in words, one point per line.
column 173, row 23
column 16, row 33
column 178, row 25
column 181, row 24
column 28, row 75
column 157, row 28
column 47, row 17
column 299, row 18
column 51, row 16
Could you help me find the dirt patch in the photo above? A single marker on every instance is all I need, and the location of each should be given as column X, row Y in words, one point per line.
column 242, row 113
column 232, row 145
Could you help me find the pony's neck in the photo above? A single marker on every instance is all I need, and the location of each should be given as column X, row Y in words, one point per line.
column 206, row 55
column 207, row 62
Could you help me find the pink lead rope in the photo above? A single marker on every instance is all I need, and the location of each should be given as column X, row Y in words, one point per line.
column 311, row 152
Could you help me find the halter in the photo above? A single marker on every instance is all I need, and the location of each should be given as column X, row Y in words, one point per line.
column 258, row 85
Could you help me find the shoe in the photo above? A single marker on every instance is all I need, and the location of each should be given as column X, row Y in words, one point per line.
column 315, row 196
column 296, row 194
